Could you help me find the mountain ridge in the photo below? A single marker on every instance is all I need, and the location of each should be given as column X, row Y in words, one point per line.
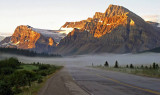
column 117, row 30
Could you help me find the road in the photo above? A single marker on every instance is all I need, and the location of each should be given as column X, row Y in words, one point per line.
column 93, row 81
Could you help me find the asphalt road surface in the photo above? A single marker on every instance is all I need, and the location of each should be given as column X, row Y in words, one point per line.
column 74, row 80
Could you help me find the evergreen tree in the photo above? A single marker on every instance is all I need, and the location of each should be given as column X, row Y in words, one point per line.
column 142, row 66
column 146, row 67
column 127, row 66
column 150, row 67
column 157, row 66
column 154, row 65
column 131, row 66
column 106, row 64
column 116, row 64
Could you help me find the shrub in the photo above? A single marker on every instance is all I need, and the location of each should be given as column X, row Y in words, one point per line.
column 131, row 66
column 6, row 71
column 5, row 89
column 16, row 90
column 40, row 80
column 142, row 66
column 127, row 66
column 11, row 62
column 22, row 78
column 146, row 67
column 43, row 67
column 43, row 73
column 157, row 66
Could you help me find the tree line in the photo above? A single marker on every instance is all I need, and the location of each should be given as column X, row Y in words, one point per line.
column 116, row 65
column 27, row 52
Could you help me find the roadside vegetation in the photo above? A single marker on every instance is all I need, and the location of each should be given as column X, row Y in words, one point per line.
column 17, row 78
column 152, row 70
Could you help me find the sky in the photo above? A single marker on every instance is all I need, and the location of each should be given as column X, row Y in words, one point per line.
column 52, row 14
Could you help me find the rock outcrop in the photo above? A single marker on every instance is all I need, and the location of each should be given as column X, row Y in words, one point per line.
column 118, row 30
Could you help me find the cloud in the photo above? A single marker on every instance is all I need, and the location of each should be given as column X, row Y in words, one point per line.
column 5, row 35
column 154, row 18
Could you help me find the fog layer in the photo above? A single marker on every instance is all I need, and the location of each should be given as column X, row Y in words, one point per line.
column 87, row 60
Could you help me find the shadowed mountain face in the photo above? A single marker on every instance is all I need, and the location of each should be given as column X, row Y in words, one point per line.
column 118, row 30
column 155, row 25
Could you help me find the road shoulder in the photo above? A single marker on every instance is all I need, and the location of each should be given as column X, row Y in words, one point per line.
column 61, row 84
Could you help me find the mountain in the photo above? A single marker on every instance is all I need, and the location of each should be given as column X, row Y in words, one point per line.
column 27, row 37
column 117, row 30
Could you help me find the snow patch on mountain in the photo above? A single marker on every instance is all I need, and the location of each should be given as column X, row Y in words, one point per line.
column 66, row 30
column 55, row 34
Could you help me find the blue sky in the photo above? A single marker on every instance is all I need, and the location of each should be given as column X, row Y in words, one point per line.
column 52, row 14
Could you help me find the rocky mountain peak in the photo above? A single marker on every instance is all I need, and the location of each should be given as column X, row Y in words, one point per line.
column 24, row 37
column 98, row 15
column 103, row 23
column 113, row 10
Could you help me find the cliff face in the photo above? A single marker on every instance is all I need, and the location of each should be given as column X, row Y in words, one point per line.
column 25, row 37
column 118, row 30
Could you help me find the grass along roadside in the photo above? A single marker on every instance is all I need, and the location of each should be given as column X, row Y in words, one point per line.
column 35, row 87
column 148, row 71
column 28, row 67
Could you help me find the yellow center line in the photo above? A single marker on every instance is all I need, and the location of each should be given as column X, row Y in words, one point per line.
column 125, row 84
